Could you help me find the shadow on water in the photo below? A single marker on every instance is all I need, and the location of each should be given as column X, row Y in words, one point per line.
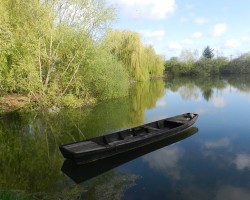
column 81, row 173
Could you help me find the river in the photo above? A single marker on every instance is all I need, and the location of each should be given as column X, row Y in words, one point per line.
column 210, row 161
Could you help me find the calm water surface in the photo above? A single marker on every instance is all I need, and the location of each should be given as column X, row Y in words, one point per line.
column 210, row 161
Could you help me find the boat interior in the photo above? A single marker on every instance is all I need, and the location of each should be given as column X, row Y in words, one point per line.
column 151, row 128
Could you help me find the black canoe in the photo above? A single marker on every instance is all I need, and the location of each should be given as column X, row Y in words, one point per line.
column 84, row 172
column 112, row 144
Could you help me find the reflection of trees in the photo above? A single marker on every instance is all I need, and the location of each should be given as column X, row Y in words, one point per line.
column 26, row 160
column 107, row 116
column 30, row 160
column 187, row 86
column 191, row 84
column 241, row 82
column 144, row 95
column 29, row 154
column 124, row 112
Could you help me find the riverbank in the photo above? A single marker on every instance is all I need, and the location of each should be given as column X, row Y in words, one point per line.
column 12, row 102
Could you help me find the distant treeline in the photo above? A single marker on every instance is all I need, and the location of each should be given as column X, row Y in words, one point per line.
column 207, row 64
column 63, row 53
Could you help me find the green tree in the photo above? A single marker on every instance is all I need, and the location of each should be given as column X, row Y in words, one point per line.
column 49, row 47
column 208, row 53
column 240, row 65
column 140, row 61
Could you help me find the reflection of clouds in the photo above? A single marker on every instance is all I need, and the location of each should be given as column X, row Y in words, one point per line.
column 218, row 102
column 190, row 92
column 166, row 160
column 231, row 193
column 223, row 142
column 161, row 102
column 230, row 89
column 247, row 96
column 196, row 191
column 242, row 161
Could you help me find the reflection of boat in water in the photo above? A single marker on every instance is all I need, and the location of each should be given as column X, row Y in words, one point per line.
column 115, row 143
column 80, row 173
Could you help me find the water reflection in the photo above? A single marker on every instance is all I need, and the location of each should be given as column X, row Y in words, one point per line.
column 166, row 161
column 219, row 143
column 242, row 161
column 213, row 164
column 111, row 185
column 230, row 192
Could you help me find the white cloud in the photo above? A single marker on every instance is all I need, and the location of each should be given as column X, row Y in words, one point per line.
column 242, row 161
column 154, row 38
column 232, row 43
column 146, row 9
column 152, row 35
column 219, row 29
column 197, row 34
column 174, row 45
column 223, row 142
column 200, row 20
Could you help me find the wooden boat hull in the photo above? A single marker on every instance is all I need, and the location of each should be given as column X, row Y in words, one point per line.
column 115, row 143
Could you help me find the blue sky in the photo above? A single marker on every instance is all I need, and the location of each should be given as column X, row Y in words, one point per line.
column 175, row 25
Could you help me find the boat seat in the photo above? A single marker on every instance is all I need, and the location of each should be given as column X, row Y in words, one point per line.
column 151, row 128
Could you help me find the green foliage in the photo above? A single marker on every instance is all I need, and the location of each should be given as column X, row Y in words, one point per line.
column 240, row 65
column 182, row 65
column 140, row 61
column 208, row 53
column 154, row 63
column 48, row 52
column 53, row 52
column 187, row 64
column 203, row 67
column 106, row 77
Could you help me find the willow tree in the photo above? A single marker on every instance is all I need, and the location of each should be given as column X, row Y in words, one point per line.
column 127, row 48
column 140, row 61
column 154, row 62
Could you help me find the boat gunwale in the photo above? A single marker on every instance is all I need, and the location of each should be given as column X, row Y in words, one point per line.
column 132, row 140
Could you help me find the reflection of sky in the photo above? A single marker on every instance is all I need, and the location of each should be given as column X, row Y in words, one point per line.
column 218, row 101
column 187, row 99
column 161, row 102
column 223, row 142
column 165, row 160
column 242, row 161
column 212, row 164
column 230, row 192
